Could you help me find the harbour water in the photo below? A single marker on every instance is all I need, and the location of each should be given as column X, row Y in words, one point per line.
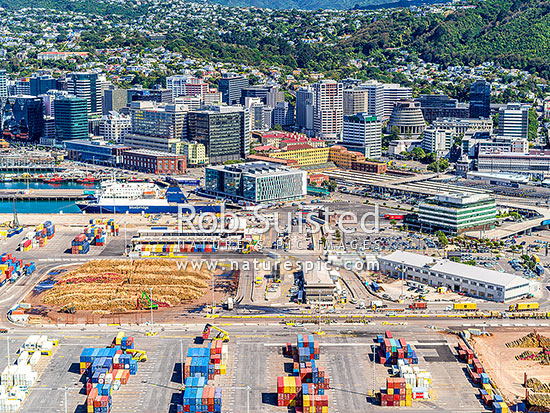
column 41, row 207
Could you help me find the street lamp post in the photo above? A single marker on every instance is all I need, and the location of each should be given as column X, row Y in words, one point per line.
column 181, row 354
column 151, row 302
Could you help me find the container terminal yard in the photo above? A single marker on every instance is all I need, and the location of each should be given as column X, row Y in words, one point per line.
column 137, row 312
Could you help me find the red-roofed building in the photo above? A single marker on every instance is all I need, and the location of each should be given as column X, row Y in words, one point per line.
column 317, row 179
column 265, row 148
column 298, row 147
column 287, row 162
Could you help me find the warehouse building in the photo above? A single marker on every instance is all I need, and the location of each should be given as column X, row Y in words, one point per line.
column 474, row 281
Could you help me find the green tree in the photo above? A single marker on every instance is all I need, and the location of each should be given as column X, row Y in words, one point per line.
column 442, row 238
column 533, row 125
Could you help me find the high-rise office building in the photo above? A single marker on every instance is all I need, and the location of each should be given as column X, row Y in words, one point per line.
column 363, row 132
column 24, row 117
column 437, row 141
column 185, row 85
column 85, row 85
column 40, row 85
column 304, row 108
column 231, row 85
column 270, row 95
column 480, row 99
column 375, row 97
column 513, row 120
column 114, row 126
column 71, row 118
column 441, row 106
column 114, row 100
column 49, row 98
column 328, row 109
column 283, row 114
column 158, row 95
column 156, row 126
column 3, row 84
column 393, row 93
column 23, row 86
column 256, row 110
column 356, row 100
column 224, row 130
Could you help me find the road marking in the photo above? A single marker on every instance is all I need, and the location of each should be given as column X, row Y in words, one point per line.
column 82, row 337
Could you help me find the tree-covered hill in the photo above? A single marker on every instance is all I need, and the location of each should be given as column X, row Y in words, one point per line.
column 515, row 33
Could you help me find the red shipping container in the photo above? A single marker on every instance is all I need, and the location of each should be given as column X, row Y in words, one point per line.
column 388, row 334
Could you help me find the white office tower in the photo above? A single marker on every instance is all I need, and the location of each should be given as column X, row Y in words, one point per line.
column 186, row 85
column 115, row 126
column 437, row 141
column 328, row 110
column 513, row 120
column 393, row 93
column 3, row 84
column 363, row 132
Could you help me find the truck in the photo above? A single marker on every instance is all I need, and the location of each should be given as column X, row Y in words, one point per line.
column 524, row 306
column 539, row 270
column 374, row 304
column 465, row 306
column 418, row 306
column 536, row 258
column 229, row 303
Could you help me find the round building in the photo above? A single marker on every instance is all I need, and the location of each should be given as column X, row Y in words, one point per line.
column 407, row 118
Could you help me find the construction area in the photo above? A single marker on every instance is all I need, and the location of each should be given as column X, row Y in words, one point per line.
column 517, row 360
column 125, row 288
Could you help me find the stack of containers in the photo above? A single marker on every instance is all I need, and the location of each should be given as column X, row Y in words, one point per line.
column 500, row 407
column 50, row 229
column 465, row 353
column 106, row 369
column 44, row 232
column 207, row 399
column 95, row 235
column 313, row 402
column 392, row 350
column 207, row 361
column 29, row 267
column 203, row 364
column 396, row 393
column 80, row 245
column 288, row 390
column 10, row 268
column 306, row 389
column 112, row 227
column 412, row 383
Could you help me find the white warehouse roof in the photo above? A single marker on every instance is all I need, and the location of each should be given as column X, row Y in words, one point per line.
column 470, row 272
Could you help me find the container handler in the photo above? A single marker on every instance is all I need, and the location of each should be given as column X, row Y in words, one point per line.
column 222, row 334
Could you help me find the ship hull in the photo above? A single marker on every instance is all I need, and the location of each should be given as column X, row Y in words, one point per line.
column 145, row 209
